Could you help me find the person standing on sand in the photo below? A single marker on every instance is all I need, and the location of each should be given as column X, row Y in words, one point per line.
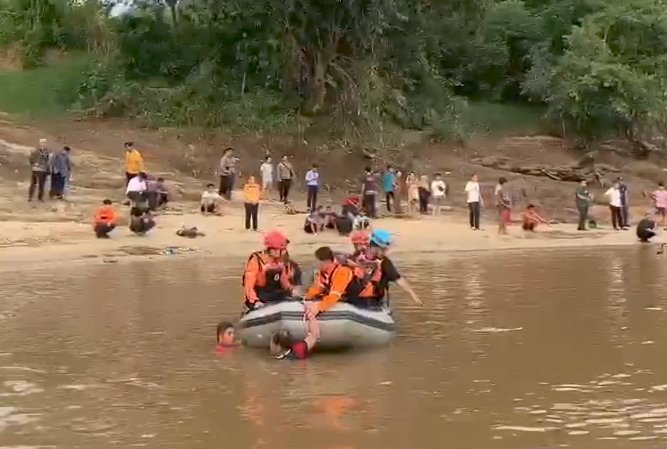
column 400, row 190
column 438, row 193
column 227, row 171
column 266, row 170
column 625, row 206
column 67, row 153
column 252, row 194
column 134, row 162
column 424, row 194
column 312, row 186
column 136, row 191
column 474, row 200
column 285, row 176
column 615, row 206
column 369, row 189
column 389, row 186
column 39, row 164
column 583, row 200
column 503, row 204
column 412, row 185
column 659, row 197
column 59, row 167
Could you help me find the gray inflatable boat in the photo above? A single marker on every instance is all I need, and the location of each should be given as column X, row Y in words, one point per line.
column 342, row 326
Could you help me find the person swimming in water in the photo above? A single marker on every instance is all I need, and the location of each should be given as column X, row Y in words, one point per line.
column 224, row 335
column 282, row 345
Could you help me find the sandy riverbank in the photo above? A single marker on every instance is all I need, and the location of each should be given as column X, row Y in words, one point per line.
column 25, row 245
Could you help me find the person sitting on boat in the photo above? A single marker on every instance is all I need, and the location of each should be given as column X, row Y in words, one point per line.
column 360, row 242
column 380, row 242
column 295, row 275
column 267, row 278
column 282, row 345
column 334, row 282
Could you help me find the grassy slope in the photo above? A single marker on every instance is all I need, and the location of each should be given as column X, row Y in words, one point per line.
column 45, row 91
column 38, row 93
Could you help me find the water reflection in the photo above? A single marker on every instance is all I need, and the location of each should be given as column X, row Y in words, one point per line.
column 516, row 350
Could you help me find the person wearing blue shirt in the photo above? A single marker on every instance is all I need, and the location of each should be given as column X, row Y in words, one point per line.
column 389, row 185
column 312, row 184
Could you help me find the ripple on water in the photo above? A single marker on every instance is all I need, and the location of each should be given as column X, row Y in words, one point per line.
column 10, row 417
column 20, row 388
column 634, row 419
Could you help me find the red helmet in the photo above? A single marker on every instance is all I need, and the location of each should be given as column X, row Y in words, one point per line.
column 275, row 240
column 360, row 238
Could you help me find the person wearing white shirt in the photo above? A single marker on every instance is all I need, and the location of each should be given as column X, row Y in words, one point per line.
column 615, row 205
column 210, row 200
column 313, row 185
column 136, row 189
column 474, row 200
column 266, row 170
column 438, row 193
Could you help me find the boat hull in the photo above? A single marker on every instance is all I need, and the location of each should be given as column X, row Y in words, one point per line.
column 343, row 326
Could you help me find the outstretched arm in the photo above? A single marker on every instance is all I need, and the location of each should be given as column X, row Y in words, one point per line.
column 313, row 333
column 407, row 288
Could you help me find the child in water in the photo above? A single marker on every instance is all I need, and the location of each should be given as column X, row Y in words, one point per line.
column 225, row 334
column 282, row 345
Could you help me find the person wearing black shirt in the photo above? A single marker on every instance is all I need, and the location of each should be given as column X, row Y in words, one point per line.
column 380, row 242
column 646, row 229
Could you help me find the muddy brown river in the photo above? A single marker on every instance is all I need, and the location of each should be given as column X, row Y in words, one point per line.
column 529, row 350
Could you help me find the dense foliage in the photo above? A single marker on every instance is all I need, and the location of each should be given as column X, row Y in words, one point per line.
column 599, row 67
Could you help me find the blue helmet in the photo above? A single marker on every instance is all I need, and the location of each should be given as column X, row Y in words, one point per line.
column 381, row 238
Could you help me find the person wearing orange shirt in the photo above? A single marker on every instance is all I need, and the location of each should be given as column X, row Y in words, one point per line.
column 268, row 275
column 334, row 282
column 105, row 220
column 252, row 194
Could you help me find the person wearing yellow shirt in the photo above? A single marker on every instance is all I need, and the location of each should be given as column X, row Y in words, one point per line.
column 134, row 162
column 252, row 194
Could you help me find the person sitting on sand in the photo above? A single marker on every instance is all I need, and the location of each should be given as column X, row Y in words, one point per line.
column 283, row 347
column 314, row 222
column 361, row 221
column 105, row 220
column 531, row 219
column 646, row 228
column 141, row 220
column 210, row 200
column 330, row 216
column 224, row 336
column 157, row 194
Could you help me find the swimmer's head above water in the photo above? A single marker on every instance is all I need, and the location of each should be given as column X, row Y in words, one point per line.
column 280, row 342
column 225, row 334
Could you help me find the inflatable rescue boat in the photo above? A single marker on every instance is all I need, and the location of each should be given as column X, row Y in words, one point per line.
column 342, row 326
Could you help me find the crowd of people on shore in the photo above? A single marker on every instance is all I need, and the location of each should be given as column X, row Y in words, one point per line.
column 403, row 193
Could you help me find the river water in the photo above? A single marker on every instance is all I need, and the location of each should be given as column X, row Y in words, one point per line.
column 515, row 351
